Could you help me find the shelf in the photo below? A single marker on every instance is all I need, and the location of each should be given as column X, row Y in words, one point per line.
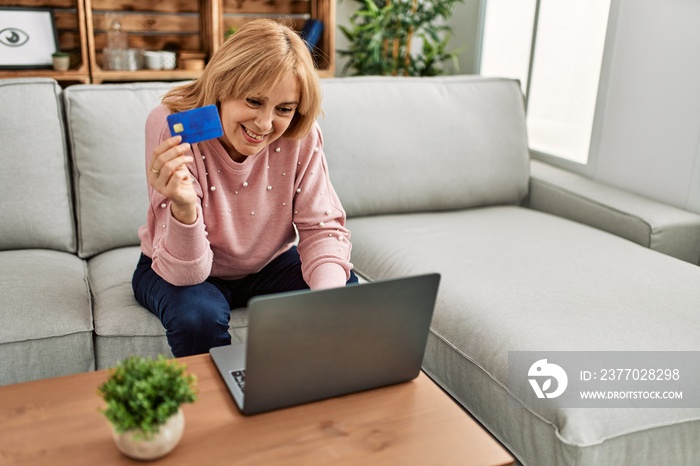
column 61, row 76
column 182, row 25
column 69, row 18
column 144, row 75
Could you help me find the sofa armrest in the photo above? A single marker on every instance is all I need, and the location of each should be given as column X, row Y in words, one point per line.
column 658, row 226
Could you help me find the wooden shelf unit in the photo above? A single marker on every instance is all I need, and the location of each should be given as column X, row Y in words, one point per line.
column 234, row 13
column 175, row 25
column 181, row 25
column 71, row 36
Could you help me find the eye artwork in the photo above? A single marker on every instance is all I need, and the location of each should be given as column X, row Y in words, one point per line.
column 13, row 37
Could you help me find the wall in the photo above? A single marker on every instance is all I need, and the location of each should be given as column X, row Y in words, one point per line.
column 647, row 130
column 649, row 139
column 646, row 135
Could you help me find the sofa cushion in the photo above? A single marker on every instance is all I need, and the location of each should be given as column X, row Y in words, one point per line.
column 107, row 141
column 421, row 144
column 515, row 279
column 122, row 326
column 36, row 211
column 46, row 315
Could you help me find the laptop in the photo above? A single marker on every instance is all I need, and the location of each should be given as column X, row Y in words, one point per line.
column 306, row 346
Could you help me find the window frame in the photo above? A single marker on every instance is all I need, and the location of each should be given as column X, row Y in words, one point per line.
column 601, row 95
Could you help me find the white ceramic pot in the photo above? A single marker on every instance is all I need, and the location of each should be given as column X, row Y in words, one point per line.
column 153, row 60
column 61, row 63
column 159, row 445
column 168, row 59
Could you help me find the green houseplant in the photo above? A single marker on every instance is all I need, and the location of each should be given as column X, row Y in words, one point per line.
column 383, row 33
column 143, row 399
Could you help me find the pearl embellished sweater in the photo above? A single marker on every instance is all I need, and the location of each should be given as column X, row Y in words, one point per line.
column 247, row 213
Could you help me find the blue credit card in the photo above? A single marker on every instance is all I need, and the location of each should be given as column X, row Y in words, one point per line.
column 196, row 125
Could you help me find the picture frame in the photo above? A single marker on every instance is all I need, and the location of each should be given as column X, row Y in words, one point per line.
column 27, row 37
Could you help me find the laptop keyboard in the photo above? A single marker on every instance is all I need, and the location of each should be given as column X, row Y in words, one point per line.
column 239, row 377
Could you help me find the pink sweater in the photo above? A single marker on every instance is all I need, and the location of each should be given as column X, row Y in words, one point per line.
column 248, row 212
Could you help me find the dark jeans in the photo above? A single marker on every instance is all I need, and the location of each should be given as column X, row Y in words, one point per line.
column 196, row 318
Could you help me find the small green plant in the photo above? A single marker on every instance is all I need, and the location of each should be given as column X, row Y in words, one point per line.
column 144, row 393
column 383, row 32
column 229, row 32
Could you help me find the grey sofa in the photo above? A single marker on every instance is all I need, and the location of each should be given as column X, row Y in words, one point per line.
column 435, row 176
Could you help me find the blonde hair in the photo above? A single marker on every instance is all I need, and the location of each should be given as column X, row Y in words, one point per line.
column 249, row 63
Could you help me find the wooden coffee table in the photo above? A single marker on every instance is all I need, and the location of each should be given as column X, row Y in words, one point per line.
column 57, row 422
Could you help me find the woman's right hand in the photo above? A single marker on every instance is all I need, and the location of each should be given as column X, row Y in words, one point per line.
column 168, row 174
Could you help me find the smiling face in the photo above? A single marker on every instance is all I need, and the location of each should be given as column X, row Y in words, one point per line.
column 256, row 121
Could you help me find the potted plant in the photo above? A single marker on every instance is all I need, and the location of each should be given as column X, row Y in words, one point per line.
column 143, row 399
column 61, row 61
column 383, row 32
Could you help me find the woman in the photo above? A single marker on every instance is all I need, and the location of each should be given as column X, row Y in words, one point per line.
column 224, row 213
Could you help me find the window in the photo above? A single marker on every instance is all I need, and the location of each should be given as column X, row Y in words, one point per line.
column 555, row 48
